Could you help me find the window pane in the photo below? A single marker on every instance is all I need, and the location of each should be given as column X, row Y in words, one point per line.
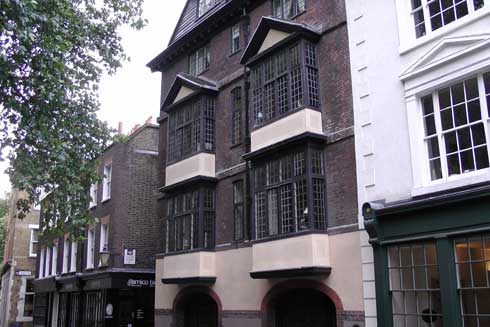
column 273, row 212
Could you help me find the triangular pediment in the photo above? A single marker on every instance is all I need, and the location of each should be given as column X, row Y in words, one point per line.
column 185, row 86
column 273, row 31
column 446, row 50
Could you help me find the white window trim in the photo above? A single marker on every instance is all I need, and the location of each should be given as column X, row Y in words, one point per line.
column 42, row 264
column 90, row 249
column 107, row 183
column 104, row 235
column 21, row 301
column 233, row 37
column 406, row 27
column 66, row 255
column 73, row 256
column 93, row 195
column 33, row 228
column 54, row 260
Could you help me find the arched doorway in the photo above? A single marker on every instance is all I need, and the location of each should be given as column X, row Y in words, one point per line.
column 301, row 303
column 195, row 307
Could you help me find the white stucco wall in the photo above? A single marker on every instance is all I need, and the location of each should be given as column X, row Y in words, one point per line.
column 201, row 164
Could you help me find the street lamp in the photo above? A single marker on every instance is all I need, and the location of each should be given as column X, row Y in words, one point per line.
column 104, row 256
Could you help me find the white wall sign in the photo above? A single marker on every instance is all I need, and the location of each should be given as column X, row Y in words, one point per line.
column 129, row 256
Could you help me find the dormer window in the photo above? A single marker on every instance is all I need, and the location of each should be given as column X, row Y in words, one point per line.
column 287, row 9
column 205, row 6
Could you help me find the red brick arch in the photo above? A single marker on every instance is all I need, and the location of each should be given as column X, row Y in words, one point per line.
column 283, row 287
column 187, row 292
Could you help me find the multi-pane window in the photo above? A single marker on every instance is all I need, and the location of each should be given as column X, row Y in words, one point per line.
column 191, row 128
column 287, row 8
column 28, row 298
column 106, row 189
column 205, row 5
column 235, row 38
column 415, row 285
column 199, row 61
column 238, row 210
column 90, row 248
column 93, row 195
column 34, row 242
column 430, row 15
column 456, row 127
column 190, row 220
column 284, row 82
column 236, row 116
column 281, row 195
column 473, row 270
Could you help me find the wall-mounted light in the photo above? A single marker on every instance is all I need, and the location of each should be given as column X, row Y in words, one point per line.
column 104, row 257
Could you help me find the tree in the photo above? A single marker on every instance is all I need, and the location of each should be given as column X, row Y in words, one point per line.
column 52, row 56
column 4, row 207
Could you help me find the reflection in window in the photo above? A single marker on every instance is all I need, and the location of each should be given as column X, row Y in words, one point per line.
column 473, row 268
column 287, row 8
column 415, row 285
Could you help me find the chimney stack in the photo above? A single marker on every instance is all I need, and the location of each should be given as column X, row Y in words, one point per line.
column 120, row 128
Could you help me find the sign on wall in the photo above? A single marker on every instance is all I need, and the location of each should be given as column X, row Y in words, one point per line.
column 129, row 256
column 23, row 273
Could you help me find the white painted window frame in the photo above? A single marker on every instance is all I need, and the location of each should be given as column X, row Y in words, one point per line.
column 42, row 262
column 66, row 255
column 90, row 248
column 54, row 260
column 93, row 195
column 21, row 301
column 406, row 25
column 73, row 256
column 33, row 228
column 104, row 239
column 107, row 182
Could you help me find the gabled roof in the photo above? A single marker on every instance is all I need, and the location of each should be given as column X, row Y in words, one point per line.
column 186, row 85
column 287, row 30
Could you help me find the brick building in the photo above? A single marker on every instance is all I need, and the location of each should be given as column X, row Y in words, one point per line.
column 74, row 286
column 257, row 168
column 19, row 266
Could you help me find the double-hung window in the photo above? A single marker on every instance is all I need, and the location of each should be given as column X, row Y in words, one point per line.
column 54, row 260
column 289, row 193
column 287, row 9
column 235, row 38
column 34, row 240
column 199, row 61
column 42, row 263
column 236, row 116
column 190, row 220
column 66, row 255
column 191, row 128
column 104, row 239
column 456, row 120
column 106, row 189
column 73, row 256
column 430, row 15
column 284, row 82
column 93, row 195
column 90, row 248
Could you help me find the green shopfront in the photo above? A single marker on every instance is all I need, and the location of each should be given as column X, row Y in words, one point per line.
column 432, row 259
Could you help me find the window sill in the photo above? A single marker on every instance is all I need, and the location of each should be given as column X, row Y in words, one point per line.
column 92, row 206
column 32, row 255
column 470, row 18
column 453, row 182
column 232, row 54
column 105, row 200
column 233, row 146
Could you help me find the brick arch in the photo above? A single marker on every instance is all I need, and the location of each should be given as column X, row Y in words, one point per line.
column 187, row 292
column 286, row 286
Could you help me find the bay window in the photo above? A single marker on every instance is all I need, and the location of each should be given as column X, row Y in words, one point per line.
column 287, row 9
column 190, row 220
column 289, row 193
column 191, row 128
column 430, row 15
column 456, row 122
column 284, row 82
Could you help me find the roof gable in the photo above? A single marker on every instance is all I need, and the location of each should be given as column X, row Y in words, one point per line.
column 185, row 86
column 446, row 50
column 272, row 31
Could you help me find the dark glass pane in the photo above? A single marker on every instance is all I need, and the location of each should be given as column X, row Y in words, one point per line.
column 407, row 278
column 433, row 277
column 393, row 256
column 483, row 299
column 461, row 10
column 411, row 307
column 430, row 254
column 476, row 248
column 418, row 17
column 451, row 143
column 486, row 81
column 467, row 161
column 448, row 16
column 462, row 253
column 464, row 274
column 434, row 8
column 464, row 138
column 460, row 115
column 453, row 164
column 433, row 147
column 416, row 4
column 398, row 306
column 444, row 98
column 488, row 104
column 484, row 321
column 471, row 87
column 479, row 274
column 474, row 111
column 435, row 169
column 468, row 302
column 447, row 119
column 436, row 22
column 470, row 321
column 420, row 30
column 478, row 132
column 430, row 125
column 427, row 105
column 446, row 4
column 419, row 275
column 405, row 256
column 418, row 255
column 395, row 279
column 457, row 93
column 479, row 4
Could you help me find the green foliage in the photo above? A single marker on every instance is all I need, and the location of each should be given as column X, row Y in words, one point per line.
column 4, row 208
column 52, row 56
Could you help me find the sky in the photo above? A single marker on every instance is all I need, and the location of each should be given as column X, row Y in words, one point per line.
column 133, row 93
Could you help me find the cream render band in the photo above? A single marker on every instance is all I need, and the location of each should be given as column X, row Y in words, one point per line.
column 189, row 265
column 201, row 164
column 305, row 120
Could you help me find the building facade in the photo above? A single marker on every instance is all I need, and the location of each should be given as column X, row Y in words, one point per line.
column 108, row 278
column 19, row 266
column 421, row 76
column 257, row 168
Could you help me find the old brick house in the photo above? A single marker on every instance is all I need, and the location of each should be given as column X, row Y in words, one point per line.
column 74, row 286
column 257, row 168
column 19, row 266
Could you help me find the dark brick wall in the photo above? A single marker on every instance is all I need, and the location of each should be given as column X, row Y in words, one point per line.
column 337, row 111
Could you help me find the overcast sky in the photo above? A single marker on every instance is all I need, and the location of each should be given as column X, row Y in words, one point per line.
column 132, row 95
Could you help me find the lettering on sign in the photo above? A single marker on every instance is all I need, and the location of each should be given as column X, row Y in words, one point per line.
column 141, row 283
column 129, row 256
column 23, row 273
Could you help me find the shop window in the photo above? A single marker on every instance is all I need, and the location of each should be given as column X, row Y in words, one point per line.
column 287, row 9
column 473, row 269
column 281, row 194
column 415, row 285
column 456, row 127
column 285, row 82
